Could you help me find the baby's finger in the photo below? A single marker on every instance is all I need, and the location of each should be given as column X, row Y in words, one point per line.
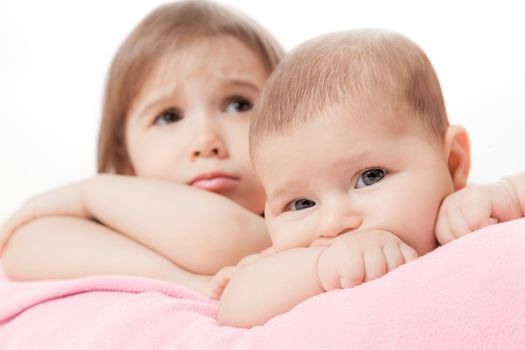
column 457, row 223
column 352, row 271
column 375, row 264
column 443, row 233
column 408, row 252
column 478, row 217
column 488, row 222
column 7, row 230
column 393, row 256
column 247, row 260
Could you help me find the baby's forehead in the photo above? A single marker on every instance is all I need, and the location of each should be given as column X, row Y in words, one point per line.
column 360, row 115
column 348, row 134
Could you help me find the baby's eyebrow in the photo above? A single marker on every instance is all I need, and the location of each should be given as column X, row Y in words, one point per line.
column 356, row 158
column 276, row 195
column 346, row 164
column 276, row 203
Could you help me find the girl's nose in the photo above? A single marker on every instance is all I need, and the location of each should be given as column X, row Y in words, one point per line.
column 207, row 142
column 338, row 217
column 208, row 152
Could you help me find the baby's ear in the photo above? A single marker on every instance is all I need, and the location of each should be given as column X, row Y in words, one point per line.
column 457, row 150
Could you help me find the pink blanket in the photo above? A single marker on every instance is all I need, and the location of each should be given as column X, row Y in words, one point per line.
column 466, row 295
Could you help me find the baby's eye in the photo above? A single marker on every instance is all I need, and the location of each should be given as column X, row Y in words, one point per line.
column 300, row 204
column 370, row 177
column 170, row 115
column 237, row 104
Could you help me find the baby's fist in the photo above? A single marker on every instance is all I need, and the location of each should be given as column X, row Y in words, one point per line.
column 475, row 207
column 361, row 257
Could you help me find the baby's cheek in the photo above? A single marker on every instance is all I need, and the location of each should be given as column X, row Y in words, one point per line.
column 288, row 235
column 420, row 231
column 413, row 221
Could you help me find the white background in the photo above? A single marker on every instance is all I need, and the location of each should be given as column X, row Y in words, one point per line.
column 54, row 56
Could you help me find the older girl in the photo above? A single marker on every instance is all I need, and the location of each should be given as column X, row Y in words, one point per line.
column 176, row 197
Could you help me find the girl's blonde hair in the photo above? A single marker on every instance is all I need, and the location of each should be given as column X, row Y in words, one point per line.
column 163, row 31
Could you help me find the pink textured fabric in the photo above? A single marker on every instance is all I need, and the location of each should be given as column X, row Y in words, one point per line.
column 468, row 294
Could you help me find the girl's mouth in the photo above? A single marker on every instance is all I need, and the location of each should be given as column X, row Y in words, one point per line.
column 215, row 182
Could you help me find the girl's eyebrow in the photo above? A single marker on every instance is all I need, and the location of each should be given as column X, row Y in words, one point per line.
column 142, row 110
column 152, row 99
column 158, row 98
column 243, row 83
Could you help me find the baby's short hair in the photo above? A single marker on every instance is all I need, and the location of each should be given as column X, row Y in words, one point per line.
column 336, row 68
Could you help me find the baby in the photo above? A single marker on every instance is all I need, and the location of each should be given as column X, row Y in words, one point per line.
column 353, row 147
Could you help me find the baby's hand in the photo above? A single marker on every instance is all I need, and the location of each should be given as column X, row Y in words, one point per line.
column 361, row 257
column 255, row 257
column 220, row 280
column 475, row 207
column 65, row 200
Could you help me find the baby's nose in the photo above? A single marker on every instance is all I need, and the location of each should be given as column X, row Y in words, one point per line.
column 336, row 221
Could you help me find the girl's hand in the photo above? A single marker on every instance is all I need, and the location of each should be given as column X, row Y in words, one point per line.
column 475, row 207
column 361, row 257
column 65, row 200
column 220, row 280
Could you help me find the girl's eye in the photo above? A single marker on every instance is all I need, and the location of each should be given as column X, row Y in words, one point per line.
column 370, row 177
column 300, row 204
column 168, row 116
column 238, row 105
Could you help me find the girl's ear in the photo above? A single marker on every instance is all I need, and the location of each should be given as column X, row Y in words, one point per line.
column 127, row 169
column 457, row 150
column 124, row 167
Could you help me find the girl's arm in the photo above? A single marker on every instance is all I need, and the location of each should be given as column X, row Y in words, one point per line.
column 67, row 247
column 198, row 230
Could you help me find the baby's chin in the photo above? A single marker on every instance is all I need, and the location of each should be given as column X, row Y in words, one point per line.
column 253, row 204
column 252, row 199
column 423, row 248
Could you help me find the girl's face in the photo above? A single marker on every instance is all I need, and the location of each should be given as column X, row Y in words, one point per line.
column 190, row 122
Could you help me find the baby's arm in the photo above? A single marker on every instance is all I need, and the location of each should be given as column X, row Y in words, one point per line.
column 198, row 230
column 67, row 247
column 518, row 181
column 269, row 287
column 477, row 206
column 276, row 283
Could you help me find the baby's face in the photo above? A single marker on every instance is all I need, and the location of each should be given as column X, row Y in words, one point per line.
column 190, row 122
column 351, row 170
